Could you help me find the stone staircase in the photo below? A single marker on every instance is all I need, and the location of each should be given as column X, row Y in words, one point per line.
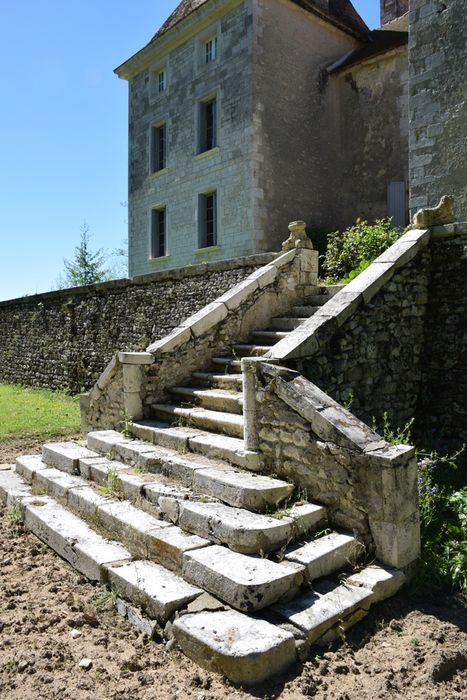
column 240, row 568
column 214, row 400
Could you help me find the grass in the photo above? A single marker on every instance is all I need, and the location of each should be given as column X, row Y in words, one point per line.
column 39, row 412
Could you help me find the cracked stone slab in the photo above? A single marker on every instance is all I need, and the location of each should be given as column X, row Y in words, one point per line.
column 382, row 581
column 224, row 447
column 240, row 529
column 326, row 554
column 316, row 613
column 65, row 455
column 129, row 523
column 306, row 517
column 251, row 491
column 55, row 482
column 71, row 537
column 243, row 649
column 151, row 587
column 246, row 583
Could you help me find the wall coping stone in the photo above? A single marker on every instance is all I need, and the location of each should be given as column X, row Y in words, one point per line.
column 329, row 420
column 314, row 333
column 449, row 230
column 208, row 317
column 258, row 260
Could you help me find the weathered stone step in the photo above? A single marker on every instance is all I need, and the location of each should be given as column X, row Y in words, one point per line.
column 286, row 324
column 217, row 421
column 326, row 554
column 242, row 648
column 317, row 299
column 206, row 476
column 317, row 613
column 218, row 381
column 64, row 532
column 159, row 592
column 248, row 350
column 214, row 399
column 301, row 311
column 185, row 438
column 268, row 337
column 324, row 614
column 145, row 535
column 239, row 529
column 246, row 583
column 229, row 364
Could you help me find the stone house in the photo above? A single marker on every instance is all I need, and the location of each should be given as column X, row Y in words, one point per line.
column 247, row 114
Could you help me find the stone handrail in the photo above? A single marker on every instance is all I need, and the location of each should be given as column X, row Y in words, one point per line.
column 369, row 482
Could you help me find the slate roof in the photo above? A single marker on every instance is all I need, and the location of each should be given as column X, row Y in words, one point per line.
column 339, row 12
column 379, row 41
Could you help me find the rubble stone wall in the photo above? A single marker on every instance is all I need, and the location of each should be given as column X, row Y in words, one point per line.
column 64, row 339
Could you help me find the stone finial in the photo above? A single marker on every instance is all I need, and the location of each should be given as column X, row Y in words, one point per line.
column 436, row 216
column 298, row 237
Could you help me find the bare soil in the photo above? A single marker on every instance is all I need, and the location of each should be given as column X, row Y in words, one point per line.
column 407, row 647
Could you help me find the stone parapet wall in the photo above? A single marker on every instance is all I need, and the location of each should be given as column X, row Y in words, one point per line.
column 268, row 291
column 64, row 339
column 366, row 484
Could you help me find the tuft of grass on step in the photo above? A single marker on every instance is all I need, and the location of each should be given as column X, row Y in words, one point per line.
column 26, row 411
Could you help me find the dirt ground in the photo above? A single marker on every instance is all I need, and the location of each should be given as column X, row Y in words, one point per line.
column 407, row 647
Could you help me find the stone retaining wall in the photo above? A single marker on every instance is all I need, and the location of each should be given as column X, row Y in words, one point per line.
column 442, row 409
column 64, row 339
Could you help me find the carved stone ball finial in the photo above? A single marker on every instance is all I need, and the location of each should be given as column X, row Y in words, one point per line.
column 436, row 216
column 298, row 237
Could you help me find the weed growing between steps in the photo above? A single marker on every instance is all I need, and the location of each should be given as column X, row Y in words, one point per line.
column 443, row 514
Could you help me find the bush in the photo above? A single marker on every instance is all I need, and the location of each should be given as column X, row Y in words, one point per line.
column 443, row 514
column 355, row 248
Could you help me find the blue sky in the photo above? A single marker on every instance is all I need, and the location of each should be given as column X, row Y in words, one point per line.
column 63, row 128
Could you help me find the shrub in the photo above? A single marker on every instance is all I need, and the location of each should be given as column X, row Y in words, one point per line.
column 443, row 514
column 355, row 248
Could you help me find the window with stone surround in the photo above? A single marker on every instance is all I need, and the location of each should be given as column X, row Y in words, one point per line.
column 210, row 50
column 158, row 147
column 158, row 233
column 207, row 217
column 207, row 124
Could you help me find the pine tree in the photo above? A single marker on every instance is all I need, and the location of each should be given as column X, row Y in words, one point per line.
column 87, row 267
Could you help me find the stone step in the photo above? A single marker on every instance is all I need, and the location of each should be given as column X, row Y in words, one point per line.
column 218, row 381
column 302, row 311
column 269, row 338
column 246, row 583
column 64, row 532
column 242, row 648
column 228, row 364
column 317, row 299
column 286, row 324
column 213, row 399
column 143, row 534
column 206, row 476
column 326, row 554
column 160, row 593
column 248, row 350
column 217, row 421
column 185, row 439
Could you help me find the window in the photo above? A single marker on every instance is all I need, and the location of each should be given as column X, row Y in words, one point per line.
column 210, row 50
column 161, row 81
column 158, row 233
column 208, row 220
column 208, row 125
column 158, row 148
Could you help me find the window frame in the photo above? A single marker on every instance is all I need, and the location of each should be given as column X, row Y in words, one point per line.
column 208, row 131
column 208, row 220
column 158, row 148
column 158, row 238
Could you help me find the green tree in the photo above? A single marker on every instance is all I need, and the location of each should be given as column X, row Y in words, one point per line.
column 87, row 266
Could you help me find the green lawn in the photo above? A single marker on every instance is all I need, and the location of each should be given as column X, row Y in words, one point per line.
column 25, row 411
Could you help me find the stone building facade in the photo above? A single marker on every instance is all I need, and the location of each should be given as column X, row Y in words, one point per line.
column 438, row 103
column 246, row 114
